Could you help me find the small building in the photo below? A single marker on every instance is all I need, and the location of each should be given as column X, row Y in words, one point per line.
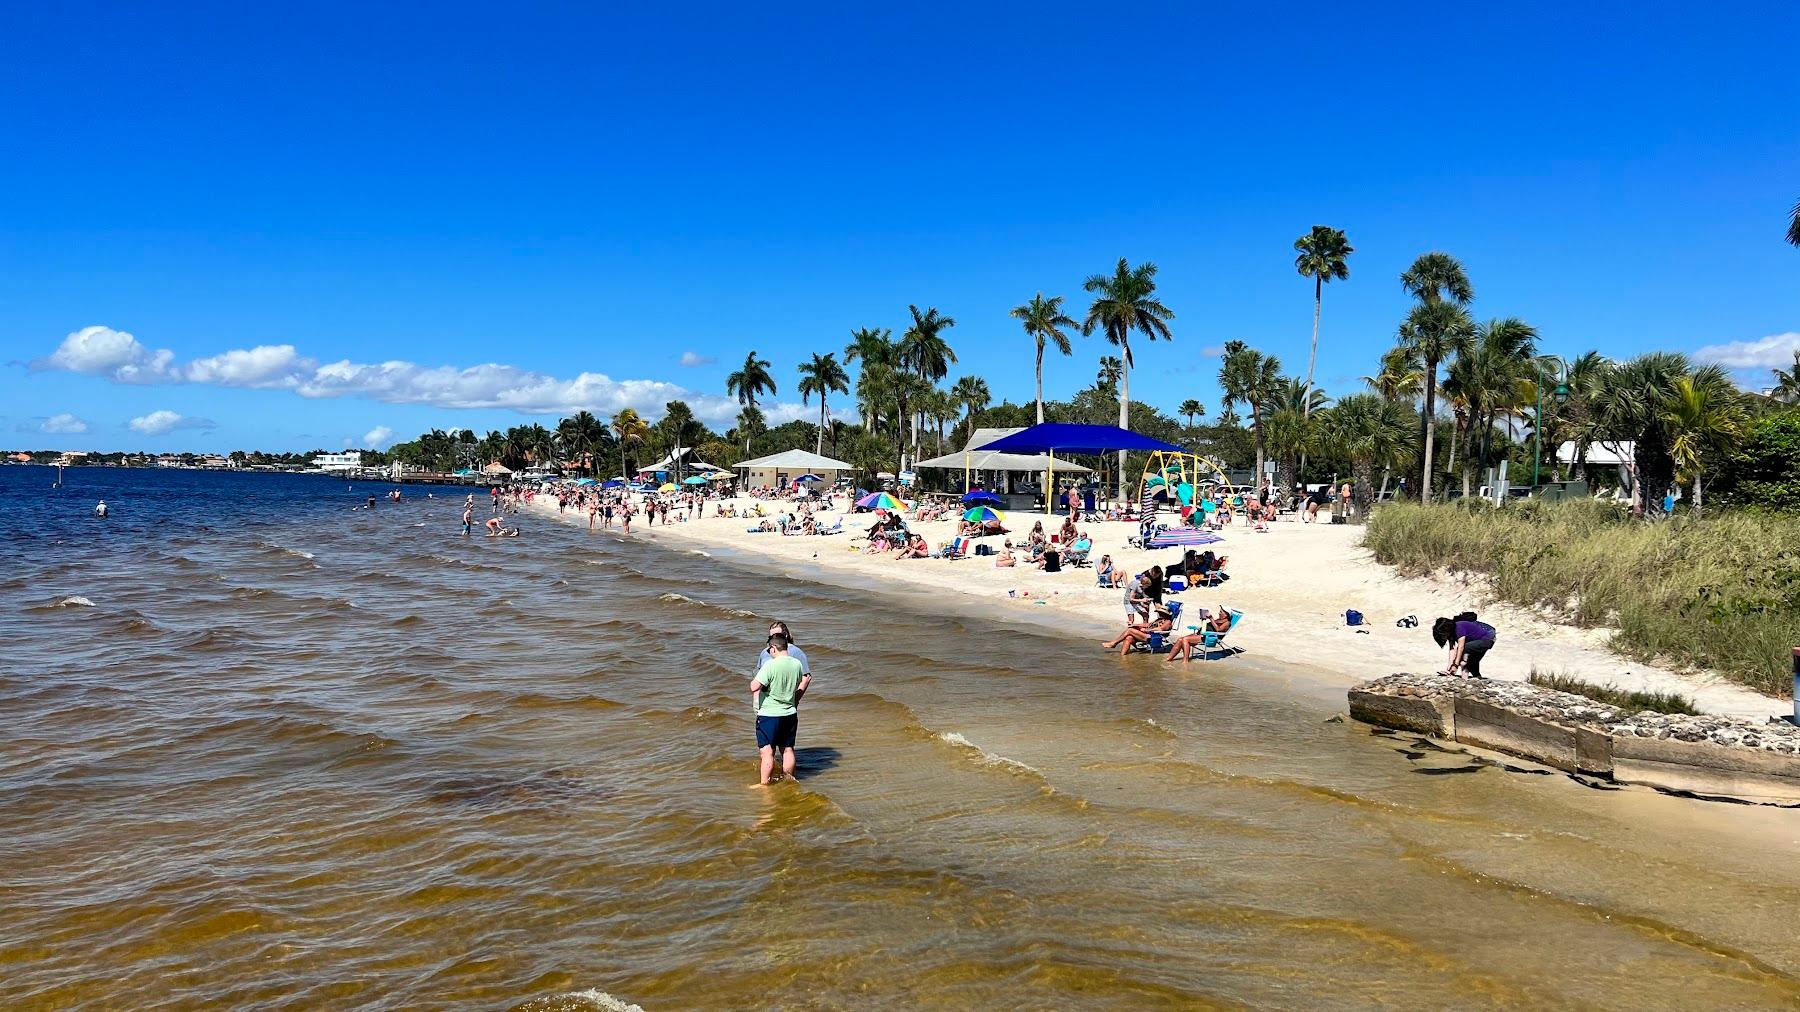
column 779, row 469
column 349, row 460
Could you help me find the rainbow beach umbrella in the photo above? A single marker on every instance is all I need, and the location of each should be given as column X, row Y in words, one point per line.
column 880, row 501
column 984, row 514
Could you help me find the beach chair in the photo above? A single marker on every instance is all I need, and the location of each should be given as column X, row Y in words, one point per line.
column 957, row 548
column 1078, row 553
column 1211, row 640
column 1159, row 642
column 837, row 528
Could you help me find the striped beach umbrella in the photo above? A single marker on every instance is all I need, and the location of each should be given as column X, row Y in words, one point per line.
column 983, row 514
column 880, row 501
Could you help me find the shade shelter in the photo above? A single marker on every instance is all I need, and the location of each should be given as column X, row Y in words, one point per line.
column 977, row 456
column 1067, row 437
column 780, row 469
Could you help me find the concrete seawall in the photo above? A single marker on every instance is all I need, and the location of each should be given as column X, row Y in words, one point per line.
column 1716, row 757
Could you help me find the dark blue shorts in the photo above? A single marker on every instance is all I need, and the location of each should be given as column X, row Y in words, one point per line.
column 777, row 731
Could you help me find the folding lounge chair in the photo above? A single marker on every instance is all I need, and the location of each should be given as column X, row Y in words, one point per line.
column 1078, row 553
column 1211, row 640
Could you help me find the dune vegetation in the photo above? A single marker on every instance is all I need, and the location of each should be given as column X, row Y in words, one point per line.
column 1722, row 593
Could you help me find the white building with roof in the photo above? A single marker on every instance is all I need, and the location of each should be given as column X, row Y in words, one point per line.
column 779, row 469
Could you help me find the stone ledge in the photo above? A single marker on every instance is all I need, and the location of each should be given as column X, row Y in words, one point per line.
column 1711, row 756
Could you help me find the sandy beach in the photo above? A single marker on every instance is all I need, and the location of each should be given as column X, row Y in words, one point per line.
column 1293, row 582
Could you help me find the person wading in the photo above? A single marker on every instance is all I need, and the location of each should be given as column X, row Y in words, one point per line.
column 775, row 694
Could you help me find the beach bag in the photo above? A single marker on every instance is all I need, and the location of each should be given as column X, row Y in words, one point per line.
column 984, row 549
column 1353, row 617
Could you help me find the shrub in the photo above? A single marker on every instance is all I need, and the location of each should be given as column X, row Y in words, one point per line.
column 1629, row 700
column 1765, row 471
column 1720, row 593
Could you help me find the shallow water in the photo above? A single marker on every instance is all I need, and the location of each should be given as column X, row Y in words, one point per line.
column 294, row 757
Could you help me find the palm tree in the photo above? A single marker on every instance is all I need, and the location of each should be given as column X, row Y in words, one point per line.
column 630, row 429
column 1191, row 409
column 1787, row 383
column 1400, row 377
column 923, row 350
column 1107, row 378
column 822, row 375
column 751, row 381
column 1433, row 331
column 1248, row 376
column 1707, row 416
column 681, row 430
column 582, row 434
column 1323, row 253
column 971, row 394
column 1044, row 320
column 1124, row 302
column 874, row 348
column 750, row 424
column 1433, row 278
column 1372, row 431
column 1634, row 402
column 1793, row 233
column 1293, row 432
column 1437, row 277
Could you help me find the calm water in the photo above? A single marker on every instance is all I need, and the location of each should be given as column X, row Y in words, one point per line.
column 298, row 757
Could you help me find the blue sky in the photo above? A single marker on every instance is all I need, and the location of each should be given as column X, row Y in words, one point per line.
column 528, row 209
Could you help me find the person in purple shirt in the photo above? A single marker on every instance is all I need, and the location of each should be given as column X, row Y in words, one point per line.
column 1468, row 640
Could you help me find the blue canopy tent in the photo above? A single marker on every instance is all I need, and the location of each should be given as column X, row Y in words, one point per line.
column 1067, row 437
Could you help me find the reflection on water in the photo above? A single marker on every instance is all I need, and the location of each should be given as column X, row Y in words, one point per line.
column 295, row 756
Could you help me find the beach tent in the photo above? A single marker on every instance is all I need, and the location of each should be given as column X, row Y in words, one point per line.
column 780, row 469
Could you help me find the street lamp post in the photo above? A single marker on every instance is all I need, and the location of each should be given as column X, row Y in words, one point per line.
column 1537, row 429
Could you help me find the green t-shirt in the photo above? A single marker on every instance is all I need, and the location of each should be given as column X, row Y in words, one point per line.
column 780, row 677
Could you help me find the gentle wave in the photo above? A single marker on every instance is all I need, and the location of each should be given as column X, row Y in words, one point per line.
column 990, row 758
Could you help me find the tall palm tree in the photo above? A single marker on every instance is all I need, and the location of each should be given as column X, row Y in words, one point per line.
column 1323, row 255
column 1433, row 278
column 1191, row 409
column 924, row 351
column 1125, row 301
column 971, row 394
column 1793, row 233
column 1707, row 417
column 1787, row 383
column 1044, row 320
column 752, row 381
column 1249, row 377
column 822, row 375
column 1434, row 331
column 1438, row 277
column 631, row 430
column 681, row 430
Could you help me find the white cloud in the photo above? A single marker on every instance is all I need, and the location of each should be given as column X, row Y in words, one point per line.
column 117, row 355
column 157, row 423
column 103, row 351
column 1763, row 353
column 693, row 359
column 1212, row 351
column 63, row 424
column 378, row 438
column 266, row 365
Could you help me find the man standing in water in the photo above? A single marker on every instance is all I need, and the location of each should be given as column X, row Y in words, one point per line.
column 774, row 693
column 469, row 517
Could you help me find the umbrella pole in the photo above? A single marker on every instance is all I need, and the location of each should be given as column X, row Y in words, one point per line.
column 1050, row 483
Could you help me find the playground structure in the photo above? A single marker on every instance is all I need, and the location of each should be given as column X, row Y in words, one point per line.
column 1174, row 480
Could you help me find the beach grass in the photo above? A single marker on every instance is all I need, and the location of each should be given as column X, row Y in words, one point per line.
column 1721, row 593
column 1630, row 700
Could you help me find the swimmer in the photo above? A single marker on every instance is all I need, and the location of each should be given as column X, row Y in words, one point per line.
column 100, row 510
